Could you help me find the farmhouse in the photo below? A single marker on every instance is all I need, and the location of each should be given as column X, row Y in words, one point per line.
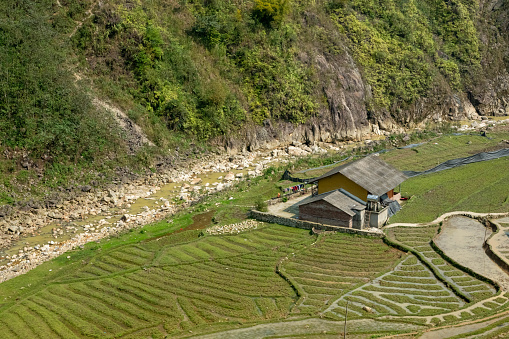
column 358, row 194
column 338, row 208
column 367, row 176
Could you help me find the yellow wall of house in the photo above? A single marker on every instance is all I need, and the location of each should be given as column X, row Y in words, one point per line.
column 337, row 181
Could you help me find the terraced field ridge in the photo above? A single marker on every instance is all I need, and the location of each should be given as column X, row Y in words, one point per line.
column 334, row 266
column 182, row 283
column 189, row 283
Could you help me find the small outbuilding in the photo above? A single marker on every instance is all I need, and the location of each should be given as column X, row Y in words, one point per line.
column 338, row 208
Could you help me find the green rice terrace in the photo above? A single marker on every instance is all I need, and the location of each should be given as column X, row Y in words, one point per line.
column 185, row 283
column 175, row 279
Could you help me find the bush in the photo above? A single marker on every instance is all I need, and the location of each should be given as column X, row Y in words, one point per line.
column 270, row 12
column 261, row 205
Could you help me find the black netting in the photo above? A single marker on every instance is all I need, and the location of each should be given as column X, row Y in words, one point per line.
column 483, row 156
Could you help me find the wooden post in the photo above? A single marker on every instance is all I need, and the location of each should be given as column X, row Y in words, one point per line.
column 346, row 317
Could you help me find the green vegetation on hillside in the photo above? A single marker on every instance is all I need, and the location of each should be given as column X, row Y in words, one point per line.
column 191, row 71
column 199, row 67
column 404, row 44
column 43, row 110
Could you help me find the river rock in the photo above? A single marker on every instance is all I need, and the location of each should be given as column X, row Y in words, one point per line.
column 229, row 177
column 86, row 188
column 13, row 228
column 296, row 151
column 195, row 181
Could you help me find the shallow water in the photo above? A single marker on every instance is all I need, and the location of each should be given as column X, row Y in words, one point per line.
column 168, row 191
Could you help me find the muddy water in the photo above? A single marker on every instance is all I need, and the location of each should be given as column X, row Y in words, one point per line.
column 200, row 222
column 169, row 191
column 462, row 239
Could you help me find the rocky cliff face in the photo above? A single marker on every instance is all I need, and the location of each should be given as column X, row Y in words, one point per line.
column 489, row 92
column 345, row 114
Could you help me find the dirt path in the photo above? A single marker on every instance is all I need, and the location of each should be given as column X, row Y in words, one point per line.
column 454, row 313
column 310, row 326
column 135, row 136
column 450, row 214
column 80, row 23
column 463, row 328
column 289, row 209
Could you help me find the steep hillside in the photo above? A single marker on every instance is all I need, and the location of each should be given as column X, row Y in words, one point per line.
column 86, row 83
column 311, row 71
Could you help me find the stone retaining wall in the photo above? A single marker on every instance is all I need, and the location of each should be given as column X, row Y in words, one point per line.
column 493, row 253
column 308, row 225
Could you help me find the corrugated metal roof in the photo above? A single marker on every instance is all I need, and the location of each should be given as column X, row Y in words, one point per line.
column 338, row 200
column 371, row 173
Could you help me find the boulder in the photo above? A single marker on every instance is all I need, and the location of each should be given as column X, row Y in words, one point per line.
column 367, row 309
column 13, row 229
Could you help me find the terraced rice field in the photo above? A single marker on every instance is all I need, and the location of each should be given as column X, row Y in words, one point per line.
column 154, row 288
column 412, row 289
column 181, row 283
column 478, row 187
column 438, row 150
column 185, row 283
column 335, row 265
column 419, row 238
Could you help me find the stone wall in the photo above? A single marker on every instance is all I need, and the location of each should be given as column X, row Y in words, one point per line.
column 308, row 225
column 491, row 251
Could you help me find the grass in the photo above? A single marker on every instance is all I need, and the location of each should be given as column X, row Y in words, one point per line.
column 441, row 149
column 478, row 187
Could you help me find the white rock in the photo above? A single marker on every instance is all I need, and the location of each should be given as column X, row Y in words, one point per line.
column 195, row 181
column 295, row 151
column 229, row 177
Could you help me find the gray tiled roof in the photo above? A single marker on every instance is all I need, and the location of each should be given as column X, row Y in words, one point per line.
column 338, row 200
column 371, row 173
